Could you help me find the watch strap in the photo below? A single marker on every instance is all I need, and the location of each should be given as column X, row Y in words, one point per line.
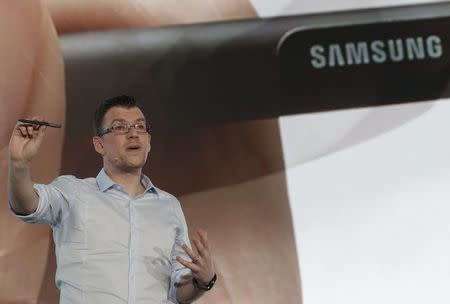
column 207, row 286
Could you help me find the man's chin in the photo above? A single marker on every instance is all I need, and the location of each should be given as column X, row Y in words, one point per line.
column 133, row 166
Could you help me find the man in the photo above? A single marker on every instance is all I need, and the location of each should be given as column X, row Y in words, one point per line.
column 118, row 238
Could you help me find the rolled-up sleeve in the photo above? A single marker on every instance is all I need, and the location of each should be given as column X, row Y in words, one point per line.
column 52, row 207
column 179, row 271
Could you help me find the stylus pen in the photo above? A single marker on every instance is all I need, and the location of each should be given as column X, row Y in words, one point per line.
column 39, row 123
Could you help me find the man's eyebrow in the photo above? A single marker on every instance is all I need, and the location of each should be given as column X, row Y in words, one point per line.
column 123, row 120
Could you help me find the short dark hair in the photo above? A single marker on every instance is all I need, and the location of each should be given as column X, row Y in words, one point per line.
column 124, row 101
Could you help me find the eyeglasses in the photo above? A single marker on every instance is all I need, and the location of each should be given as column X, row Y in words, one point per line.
column 121, row 128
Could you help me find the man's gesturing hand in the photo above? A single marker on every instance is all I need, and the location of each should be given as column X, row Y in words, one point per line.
column 25, row 142
column 201, row 265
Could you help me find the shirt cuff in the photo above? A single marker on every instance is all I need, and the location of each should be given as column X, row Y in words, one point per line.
column 176, row 278
column 36, row 215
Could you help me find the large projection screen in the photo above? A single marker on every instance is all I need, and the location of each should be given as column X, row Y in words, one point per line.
column 311, row 144
column 365, row 172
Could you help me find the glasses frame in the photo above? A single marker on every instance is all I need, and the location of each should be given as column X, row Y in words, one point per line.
column 128, row 128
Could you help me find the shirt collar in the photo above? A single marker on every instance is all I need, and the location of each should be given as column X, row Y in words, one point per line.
column 104, row 182
column 149, row 187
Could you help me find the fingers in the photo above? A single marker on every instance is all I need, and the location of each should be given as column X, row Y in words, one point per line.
column 29, row 130
column 190, row 253
column 201, row 243
column 192, row 266
column 199, row 246
column 195, row 264
column 23, row 130
column 201, row 264
column 41, row 133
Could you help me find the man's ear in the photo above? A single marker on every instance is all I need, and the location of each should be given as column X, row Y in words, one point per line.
column 98, row 145
column 149, row 147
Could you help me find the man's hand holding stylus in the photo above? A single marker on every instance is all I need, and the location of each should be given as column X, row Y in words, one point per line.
column 24, row 143
column 23, row 146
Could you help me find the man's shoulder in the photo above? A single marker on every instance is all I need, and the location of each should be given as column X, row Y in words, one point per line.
column 165, row 195
column 64, row 181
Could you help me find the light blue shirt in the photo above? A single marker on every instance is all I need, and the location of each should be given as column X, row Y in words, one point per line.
column 112, row 248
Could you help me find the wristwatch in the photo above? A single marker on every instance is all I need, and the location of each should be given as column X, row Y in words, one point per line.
column 207, row 286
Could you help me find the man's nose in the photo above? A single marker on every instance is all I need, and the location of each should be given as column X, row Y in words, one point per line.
column 132, row 132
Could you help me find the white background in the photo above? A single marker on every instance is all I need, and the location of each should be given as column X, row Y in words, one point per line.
column 370, row 198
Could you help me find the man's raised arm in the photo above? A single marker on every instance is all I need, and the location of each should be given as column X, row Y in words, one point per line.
column 23, row 146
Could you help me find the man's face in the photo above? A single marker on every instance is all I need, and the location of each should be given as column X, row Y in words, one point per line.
column 123, row 152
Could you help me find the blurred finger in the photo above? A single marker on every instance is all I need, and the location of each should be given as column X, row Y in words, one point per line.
column 22, row 130
column 192, row 266
column 41, row 133
column 199, row 246
column 30, row 131
column 203, row 237
column 35, row 132
column 190, row 252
